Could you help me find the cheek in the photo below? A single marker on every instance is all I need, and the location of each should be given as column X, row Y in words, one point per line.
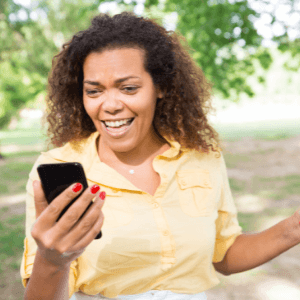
column 88, row 106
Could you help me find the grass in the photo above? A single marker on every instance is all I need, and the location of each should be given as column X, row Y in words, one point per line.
column 269, row 130
column 256, row 222
column 276, row 188
column 25, row 154
column 22, row 137
column 237, row 185
column 14, row 172
column 11, row 240
column 233, row 160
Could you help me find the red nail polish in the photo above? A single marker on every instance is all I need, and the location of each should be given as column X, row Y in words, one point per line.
column 77, row 187
column 102, row 195
column 95, row 188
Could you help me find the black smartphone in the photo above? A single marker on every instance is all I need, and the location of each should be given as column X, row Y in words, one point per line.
column 55, row 178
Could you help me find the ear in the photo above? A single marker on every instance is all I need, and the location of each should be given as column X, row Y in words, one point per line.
column 159, row 93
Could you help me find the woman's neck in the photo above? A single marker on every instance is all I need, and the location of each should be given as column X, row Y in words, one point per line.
column 145, row 152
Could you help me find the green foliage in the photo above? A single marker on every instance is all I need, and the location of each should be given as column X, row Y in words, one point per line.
column 149, row 3
column 221, row 32
column 264, row 57
column 261, row 79
column 214, row 29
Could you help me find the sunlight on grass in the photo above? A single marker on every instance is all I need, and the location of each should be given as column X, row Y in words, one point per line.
column 276, row 289
column 248, row 203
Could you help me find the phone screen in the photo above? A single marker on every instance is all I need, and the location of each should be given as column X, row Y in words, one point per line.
column 55, row 178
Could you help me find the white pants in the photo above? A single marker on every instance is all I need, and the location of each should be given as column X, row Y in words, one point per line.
column 150, row 295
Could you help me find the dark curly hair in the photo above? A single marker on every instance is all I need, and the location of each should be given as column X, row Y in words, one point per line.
column 181, row 114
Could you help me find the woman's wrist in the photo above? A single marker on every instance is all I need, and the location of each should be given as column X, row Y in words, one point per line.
column 293, row 228
column 52, row 268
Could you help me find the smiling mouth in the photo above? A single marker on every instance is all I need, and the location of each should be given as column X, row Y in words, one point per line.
column 118, row 126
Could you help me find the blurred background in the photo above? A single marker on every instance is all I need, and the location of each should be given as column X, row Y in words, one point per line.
column 248, row 49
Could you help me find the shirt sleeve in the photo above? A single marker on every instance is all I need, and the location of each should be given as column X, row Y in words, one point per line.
column 227, row 225
column 30, row 246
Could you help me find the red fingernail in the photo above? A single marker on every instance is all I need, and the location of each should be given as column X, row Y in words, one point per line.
column 95, row 188
column 77, row 187
column 102, row 195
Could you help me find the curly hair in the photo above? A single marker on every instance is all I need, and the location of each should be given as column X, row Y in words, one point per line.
column 181, row 114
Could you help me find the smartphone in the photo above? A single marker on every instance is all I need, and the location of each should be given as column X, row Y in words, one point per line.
column 55, row 178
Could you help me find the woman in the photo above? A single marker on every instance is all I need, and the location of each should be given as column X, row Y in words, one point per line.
column 127, row 101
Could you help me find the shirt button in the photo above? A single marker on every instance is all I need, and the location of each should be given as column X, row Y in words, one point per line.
column 206, row 182
column 183, row 182
column 155, row 205
column 166, row 233
column 164, row 176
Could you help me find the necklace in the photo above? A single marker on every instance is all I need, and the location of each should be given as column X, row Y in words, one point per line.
column 132, row 171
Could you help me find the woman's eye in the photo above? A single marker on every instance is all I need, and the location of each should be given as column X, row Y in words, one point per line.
column 130, row 88
column 91, row 92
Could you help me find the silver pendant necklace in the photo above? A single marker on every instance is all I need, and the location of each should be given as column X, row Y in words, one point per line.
column 132, row 171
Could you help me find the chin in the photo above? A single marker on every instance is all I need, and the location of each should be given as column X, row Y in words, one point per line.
column 121, row 146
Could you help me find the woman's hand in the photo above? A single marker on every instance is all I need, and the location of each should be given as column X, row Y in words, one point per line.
column 69, row 236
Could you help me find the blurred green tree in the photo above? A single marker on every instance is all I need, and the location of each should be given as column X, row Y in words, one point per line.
column 225, row 41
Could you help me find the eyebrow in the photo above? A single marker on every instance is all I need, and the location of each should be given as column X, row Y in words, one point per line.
column 116, row 81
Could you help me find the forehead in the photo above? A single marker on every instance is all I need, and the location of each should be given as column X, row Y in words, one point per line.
column 124, row 60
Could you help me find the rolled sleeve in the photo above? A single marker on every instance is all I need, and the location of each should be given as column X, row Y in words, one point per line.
column 227, row 225
column 27, row 259
column 72, row 278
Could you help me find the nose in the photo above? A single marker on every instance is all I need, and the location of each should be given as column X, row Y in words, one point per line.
column 111, row 104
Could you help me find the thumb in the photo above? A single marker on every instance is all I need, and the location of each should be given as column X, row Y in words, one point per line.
column 40, row 201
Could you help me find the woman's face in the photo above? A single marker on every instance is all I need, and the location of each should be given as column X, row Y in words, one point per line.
column 116, row 90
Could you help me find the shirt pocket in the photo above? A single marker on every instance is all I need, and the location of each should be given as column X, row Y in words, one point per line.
column 117, row 210
column 195, row 192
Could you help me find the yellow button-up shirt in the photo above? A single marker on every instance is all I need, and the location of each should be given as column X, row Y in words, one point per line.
column 163, row 242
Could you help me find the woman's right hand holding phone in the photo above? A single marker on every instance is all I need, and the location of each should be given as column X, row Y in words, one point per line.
column 69, row 236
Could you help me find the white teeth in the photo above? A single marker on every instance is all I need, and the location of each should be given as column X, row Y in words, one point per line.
column 117, row 123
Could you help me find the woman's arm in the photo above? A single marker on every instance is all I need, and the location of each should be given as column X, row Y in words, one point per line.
column 252, row 250
column 47, row 281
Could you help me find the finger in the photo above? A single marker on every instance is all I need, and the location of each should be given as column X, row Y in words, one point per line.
column 85, row 232
column 51, row 213
column 75, row 212
column 40, row 201
column 83, row 227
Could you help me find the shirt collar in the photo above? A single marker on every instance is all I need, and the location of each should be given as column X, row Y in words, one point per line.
column 95, row 169
column 69, row 153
